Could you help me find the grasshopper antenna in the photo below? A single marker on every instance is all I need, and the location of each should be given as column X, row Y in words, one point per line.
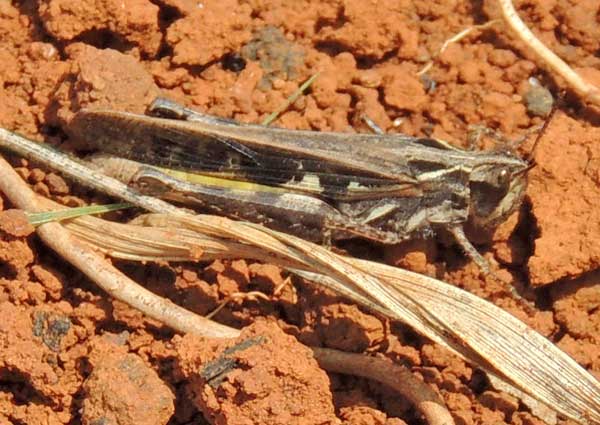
column 530, row 157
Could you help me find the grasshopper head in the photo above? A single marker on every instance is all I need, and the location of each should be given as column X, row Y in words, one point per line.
column 497, row 190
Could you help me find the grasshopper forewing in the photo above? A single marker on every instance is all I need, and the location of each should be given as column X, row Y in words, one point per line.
column 319, row 185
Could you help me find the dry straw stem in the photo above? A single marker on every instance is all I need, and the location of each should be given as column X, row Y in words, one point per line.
column 475, row 329
column 454, row 39
column 95, row 266
column 390, row 374
column 588, row 92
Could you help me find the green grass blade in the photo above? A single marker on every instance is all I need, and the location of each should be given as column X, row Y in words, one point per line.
column 46, row 217
column 273, row 115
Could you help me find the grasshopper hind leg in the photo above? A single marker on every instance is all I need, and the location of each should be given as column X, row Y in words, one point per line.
column 336, row 229
column 483, row 264
column 366, row 231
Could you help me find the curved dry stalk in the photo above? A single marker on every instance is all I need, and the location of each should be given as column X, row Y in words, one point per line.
column 427, row 401
column 93, row 265
column 587, row 91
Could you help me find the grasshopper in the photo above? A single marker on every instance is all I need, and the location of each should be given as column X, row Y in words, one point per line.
column 322, row 186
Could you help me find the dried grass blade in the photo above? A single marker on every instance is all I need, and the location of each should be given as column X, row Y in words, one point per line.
column 474, row 328
column 57, row 215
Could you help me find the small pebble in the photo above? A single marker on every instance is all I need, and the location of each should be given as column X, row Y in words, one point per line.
column 23, row 172
column 36, row 175
column 369, row 78
column 56, row 184
column 538, row 101
column 15, row 223
column 41, row 188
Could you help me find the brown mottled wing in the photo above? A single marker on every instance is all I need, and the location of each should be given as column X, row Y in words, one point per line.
column 335, row 165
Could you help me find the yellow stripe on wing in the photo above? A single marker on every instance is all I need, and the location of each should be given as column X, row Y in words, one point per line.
column 308, row 185
column 207, row 180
